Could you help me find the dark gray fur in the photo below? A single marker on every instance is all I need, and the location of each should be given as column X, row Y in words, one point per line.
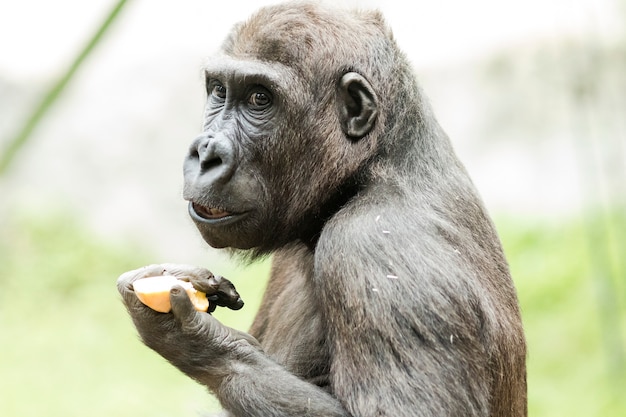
column 389, row 293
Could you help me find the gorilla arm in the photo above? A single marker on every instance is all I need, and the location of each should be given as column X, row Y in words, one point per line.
column 406, row 328
column 229, row 362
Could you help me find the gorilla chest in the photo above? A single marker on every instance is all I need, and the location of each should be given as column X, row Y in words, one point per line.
column 294, row 335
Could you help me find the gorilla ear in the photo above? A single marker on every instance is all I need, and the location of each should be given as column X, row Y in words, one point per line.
column 358, row 105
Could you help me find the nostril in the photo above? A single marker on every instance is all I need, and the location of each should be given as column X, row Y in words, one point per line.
column 211, row 163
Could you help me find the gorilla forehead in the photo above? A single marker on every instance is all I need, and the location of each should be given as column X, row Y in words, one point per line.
column 303, row 34
column 247, row 70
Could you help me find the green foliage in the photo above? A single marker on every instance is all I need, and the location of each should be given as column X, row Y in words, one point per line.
column 68, row 347
column 575, row 357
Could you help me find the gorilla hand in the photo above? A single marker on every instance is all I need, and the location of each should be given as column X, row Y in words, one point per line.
column 195, row 342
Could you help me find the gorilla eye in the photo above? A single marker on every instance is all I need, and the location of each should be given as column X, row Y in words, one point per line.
column 219, row 91
column 259, row 99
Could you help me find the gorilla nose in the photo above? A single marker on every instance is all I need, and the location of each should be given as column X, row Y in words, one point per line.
column 216, row 157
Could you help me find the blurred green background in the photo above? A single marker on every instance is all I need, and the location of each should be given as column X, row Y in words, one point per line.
column 96, row 112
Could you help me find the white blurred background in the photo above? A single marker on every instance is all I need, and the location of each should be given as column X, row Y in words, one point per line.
column 502, row 76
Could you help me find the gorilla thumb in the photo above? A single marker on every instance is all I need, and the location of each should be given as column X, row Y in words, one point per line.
column 182, row 307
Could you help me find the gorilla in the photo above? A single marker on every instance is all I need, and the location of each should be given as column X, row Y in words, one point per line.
column 389, row 292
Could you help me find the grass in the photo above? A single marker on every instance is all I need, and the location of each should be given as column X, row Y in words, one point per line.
column 67, row 347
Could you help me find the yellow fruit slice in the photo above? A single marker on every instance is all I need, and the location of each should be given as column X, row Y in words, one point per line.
column 155, row 293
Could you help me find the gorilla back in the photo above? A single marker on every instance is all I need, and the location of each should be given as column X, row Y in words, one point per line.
column 389, row 294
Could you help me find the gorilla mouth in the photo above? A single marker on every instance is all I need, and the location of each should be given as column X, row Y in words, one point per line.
column 209, row 213
column 212, row 215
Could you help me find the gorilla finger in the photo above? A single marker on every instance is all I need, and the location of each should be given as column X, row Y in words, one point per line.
column 191, row 321
column 187, row 272
column 223, row 300
column 210, row 284
column 227, row 294
column 182, row 308
column 219, row 300
column 124, row 282
column 212, row 304
column 220, row 291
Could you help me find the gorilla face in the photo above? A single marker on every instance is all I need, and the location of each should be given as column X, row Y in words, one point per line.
column 227, row 198
column 267, row 165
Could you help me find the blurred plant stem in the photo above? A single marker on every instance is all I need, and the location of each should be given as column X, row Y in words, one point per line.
column 51, row 96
